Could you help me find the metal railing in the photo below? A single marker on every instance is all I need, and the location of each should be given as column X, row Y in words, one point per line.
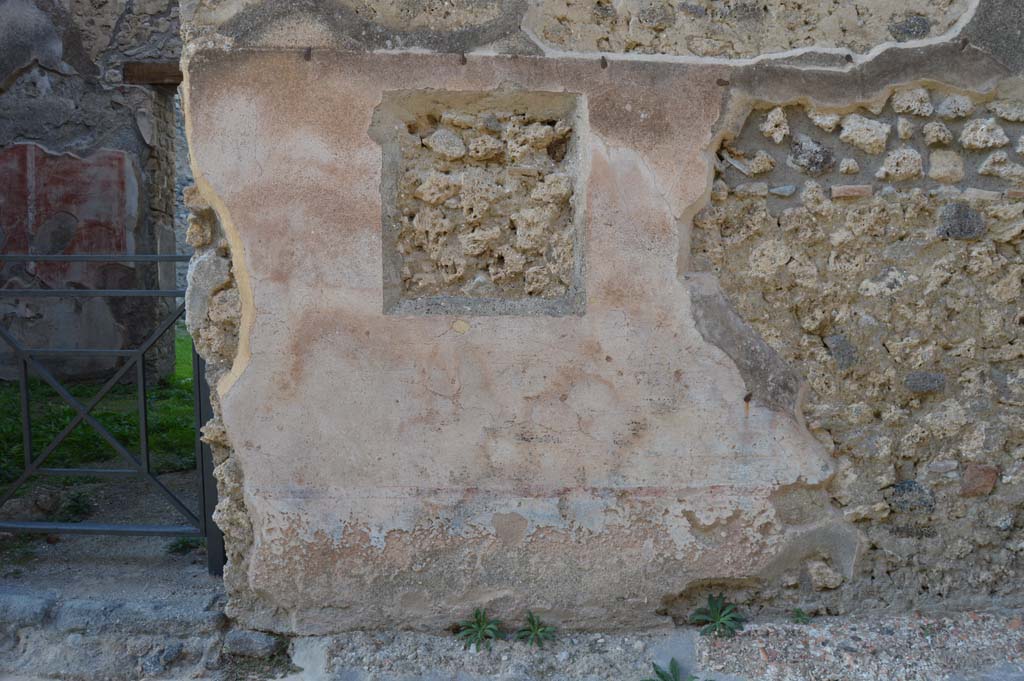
column 137, row 464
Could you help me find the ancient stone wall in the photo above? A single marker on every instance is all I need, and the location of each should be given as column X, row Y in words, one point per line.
column 793, row 371
column 61, row 95
column 879, row 251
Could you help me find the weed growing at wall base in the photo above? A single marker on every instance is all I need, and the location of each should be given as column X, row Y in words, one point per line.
column 535, row 633
column 718, row 617
column 673, row 673
column 798, row 616
column 479, row 630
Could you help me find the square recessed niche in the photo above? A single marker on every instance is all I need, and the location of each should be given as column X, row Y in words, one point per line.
column 482, row 202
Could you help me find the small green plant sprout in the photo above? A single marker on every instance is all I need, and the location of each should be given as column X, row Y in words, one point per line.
column 75, row 509
column 719, row 618
column 673, row 673
column 535, row 633
column 183, row 545
column 479, row 630
column 798, row 616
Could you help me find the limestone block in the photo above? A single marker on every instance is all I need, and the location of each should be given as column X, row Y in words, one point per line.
column 998, row 164
column 823, row 576
column 446, row 143
column 915, row 101
column 762, row 162
column 1008, row 109
column 901, row 165
column 826, row 121
column 955, row 106
column 983, row 133
column 775, row 126
column 936, row 133
column 945, row 166
column 864, row 133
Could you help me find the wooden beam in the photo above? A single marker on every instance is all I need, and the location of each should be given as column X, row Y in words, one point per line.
column 152, row 73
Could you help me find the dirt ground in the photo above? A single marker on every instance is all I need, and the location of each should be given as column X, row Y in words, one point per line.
column 113, row 567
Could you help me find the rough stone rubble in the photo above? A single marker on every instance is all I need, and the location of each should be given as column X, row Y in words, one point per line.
column 901, row 305
column 483, row 206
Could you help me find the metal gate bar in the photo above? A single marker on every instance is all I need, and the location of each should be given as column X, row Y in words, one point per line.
column 140, row 465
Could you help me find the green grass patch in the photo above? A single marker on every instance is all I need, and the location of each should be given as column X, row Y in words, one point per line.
column 170, row 420
column 18, row 550
column 183, row 545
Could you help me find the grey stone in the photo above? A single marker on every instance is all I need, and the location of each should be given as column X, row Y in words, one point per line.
column 843, row 351
column 694, row 9
column 910, row 27
column 909, row 495
column 251, row 643
column 785, row 190
column 152, row 664
column 657, row 15
column 922, row 382
column 810, row 156
column 960, row 221
column 207, row 274
column 172, row 651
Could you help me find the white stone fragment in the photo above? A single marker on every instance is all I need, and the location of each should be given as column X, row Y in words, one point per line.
column 555, row 188
column 876, row 511
column 458, row 119
column 823, row 576
column 983, row 133
column 945, row 166
column 1008, row 109
column 998, row 164
column 916, row 101
column 775, row 126
column 762, row 162
column 955, row 106
column 849, row 166
column 446, row 143
column 436, row 188
column 976, row 194
column 865, row 134
column 936, row 133
column 825, row 121
column 483, row 147
column 901, row 164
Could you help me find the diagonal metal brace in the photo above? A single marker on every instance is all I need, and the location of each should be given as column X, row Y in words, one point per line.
column 83, row 413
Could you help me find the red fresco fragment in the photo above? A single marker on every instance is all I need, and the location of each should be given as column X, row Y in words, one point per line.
column 59, row 203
